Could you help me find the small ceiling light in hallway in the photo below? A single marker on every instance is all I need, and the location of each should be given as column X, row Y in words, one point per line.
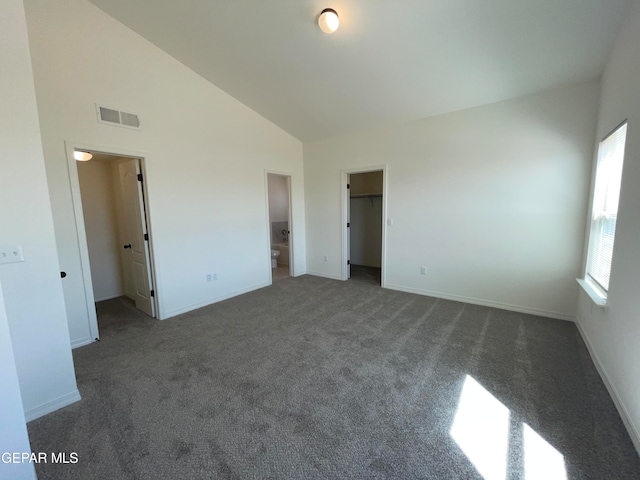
column 82, row 156
column 328, row 21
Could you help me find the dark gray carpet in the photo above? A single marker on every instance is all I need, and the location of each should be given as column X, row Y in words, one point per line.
column 317, row 378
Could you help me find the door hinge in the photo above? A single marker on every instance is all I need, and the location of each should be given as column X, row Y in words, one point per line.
column 348, row 224
column 139, row 177
column 348, row 186
column 146, row 237
column 152, row 293
column 348, row 262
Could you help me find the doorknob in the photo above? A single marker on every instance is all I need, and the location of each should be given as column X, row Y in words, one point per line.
column 127, row 246
column 63, row 274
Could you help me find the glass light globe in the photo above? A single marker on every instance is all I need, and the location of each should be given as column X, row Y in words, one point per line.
column 328, row 20
column 82, row 156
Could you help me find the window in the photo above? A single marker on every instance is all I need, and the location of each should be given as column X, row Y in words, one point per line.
column 605, row 210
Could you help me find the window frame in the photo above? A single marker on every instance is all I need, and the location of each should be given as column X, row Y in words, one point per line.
column 598, row 293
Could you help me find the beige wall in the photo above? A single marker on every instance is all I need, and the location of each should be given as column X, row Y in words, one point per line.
column 613, row 333
column 366, row 219
column 491, row 200
column 366, row 231
column 278, row 202
column 99, row 192
column 364, row 183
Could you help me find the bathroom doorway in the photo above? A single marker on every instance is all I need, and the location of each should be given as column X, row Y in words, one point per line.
column 279, row 199
column 364, row 226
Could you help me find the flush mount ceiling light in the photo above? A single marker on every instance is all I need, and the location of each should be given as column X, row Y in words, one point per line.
column 328, row 20
column 82, row 156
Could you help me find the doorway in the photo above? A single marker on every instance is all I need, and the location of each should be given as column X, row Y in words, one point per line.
column 364, row 228
column 279, row 202
column 111, row 214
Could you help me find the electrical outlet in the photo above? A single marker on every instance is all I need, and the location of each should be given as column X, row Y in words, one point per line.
column 423, row 270
column 11, row 254
column 326, row 258
column 215, row 276
column 209, row 277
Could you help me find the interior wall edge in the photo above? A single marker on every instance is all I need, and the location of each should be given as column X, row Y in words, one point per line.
column 634, row 432
column 52, row 406
column 190, row 308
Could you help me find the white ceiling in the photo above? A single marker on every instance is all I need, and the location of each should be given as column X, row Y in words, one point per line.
column 390, row 61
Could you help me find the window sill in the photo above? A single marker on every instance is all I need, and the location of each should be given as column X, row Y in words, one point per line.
column 595, row 294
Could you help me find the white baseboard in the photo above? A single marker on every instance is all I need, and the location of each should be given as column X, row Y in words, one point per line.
column 52, row 405
column 624, row 414
column 81, row 342
column 325, row 275
column 195, row 306
column 485, row 303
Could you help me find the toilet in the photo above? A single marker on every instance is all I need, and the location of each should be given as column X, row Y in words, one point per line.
column 274, row 258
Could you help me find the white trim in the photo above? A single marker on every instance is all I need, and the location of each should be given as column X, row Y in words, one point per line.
column 226, row 296
column 52, row 405
column 343, row 227
column 81, row 233
column 82, row 342
column 325, row 275
column 486, row 303
column 593, row 292
column 634, row 433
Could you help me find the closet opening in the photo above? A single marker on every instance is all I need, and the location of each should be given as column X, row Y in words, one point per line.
column 364, row 226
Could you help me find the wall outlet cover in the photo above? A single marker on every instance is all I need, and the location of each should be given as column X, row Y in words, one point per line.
column 11, row 254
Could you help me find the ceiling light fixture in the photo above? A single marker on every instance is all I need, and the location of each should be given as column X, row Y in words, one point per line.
column 82, row 156
column 328, row 21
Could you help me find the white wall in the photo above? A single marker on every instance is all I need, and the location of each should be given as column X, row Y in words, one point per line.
column 491, row 200
column 32, row 289
column 99, row 208
column 14, row 436
column 614, row 333
column 206, row 154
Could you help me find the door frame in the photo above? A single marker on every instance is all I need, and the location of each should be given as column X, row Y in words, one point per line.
column 344, row 175
column 289, row 177
column 81, row 232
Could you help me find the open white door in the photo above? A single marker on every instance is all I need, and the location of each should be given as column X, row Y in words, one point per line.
column 137, row 247
column 348, row 227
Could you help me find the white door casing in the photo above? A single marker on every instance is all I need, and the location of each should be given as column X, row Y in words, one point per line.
column 346, row 218
column 348, row 226
column 290, row 220
column 137, row 246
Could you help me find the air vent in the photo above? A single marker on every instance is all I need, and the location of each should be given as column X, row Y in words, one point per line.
column 112, row 116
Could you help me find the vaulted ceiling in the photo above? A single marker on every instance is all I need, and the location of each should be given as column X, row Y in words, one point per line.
column 389, row 62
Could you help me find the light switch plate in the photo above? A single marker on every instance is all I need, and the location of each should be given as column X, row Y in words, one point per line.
column 11, row 254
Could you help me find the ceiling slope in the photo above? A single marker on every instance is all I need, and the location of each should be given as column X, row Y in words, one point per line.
column 388, row 62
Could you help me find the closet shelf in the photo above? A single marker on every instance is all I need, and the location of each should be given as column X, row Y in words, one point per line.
column 365, row 195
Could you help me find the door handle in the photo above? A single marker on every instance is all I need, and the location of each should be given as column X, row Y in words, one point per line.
column 127, row 246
